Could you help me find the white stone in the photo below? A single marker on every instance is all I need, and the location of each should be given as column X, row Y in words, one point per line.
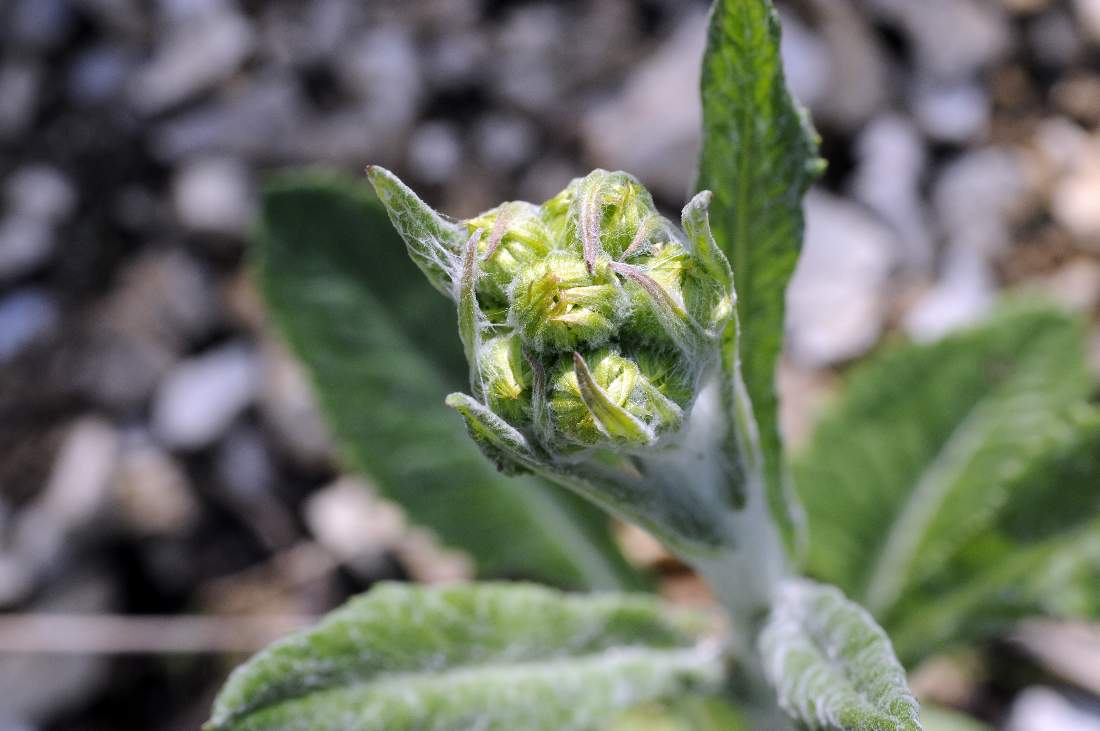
column 1043, row 709
column 26, row 243
column 202, row 396
column 40, row 191
column 435, row 151
column 79, row 483
column 151, row 492
column 1075, row 202
column 975, row 197
column 289, row 409
column 835, row 300
column 1088, row 13
column 965, row 293
column 651, row 128
column 214, row 195
column 891, row 163
column 196, row 54
column 956, row 112
column 349, row 520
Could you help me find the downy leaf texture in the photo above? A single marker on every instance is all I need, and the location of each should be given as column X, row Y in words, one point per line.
column 380, row 347
column 948, row 474
column 759, row 156
column 492, row 657
column 832, row 666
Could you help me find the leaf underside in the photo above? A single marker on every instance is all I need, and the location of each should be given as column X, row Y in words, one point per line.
column 948, row 474
column 758, row 156
column 380, row 346
column 484, row 656
column 832, row 666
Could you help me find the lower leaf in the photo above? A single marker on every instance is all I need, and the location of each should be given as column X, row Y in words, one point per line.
column 832, row 666
column 485, row 656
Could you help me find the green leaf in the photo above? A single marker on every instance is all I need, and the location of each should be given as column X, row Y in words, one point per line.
column 380, row 347
column 1040, row 554
column 935, row 718
column 692, row 713
column 495, row 657
column 929, row 443
column 759, row 156
column 832, row 665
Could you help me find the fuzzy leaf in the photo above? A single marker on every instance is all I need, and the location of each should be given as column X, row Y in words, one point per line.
column 381, row 349
column 832, row 665
column 692, row 713
column 494, row 657
column 929, row 443
column 759, row 156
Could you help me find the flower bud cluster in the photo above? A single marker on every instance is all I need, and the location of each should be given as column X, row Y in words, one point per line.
column 599, row 320
column 588, row 320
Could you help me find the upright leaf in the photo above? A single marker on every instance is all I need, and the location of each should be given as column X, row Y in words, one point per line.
column 494, row 657
column 759, row 156
column 380, row 346
column 927, row 445
column 832, row 666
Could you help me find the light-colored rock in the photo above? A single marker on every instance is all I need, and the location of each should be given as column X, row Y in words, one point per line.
column 965, row 293
column 1043, row 709
column 214, row 195
column 504, row 142
column 197, row 53
column 289, row 409
column 100, row 73
column 857, row 86
column 349, row 520
column 244, row 464
column 26, row 243
column 956, row 112
column 427, row 562
column 807, row 61
column 835, row 300
column 976, row 196
column 20, row 83
column 953, row 39
column 40, row 191
column 151, row 492
column 1075, row 285
column 1088, row 15
column 435, row 151
column 1054, row 39
column 1075, row 201
column 202, row 396
column 891, row 163
column 78, row 488
column 651, row 128
column 26, row 315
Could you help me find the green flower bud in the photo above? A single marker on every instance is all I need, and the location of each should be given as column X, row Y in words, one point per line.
column 513, row 236
column 589, row 322
column 506, row 376
column 609, row 398
column 556, row 304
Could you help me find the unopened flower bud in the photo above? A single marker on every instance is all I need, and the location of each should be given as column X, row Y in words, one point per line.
column 513, row 236
column 506, row 376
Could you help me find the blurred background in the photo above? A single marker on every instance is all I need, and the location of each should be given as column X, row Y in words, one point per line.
column 166, row 484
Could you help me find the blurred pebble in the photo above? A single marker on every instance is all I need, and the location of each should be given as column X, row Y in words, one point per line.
column 79, row 483
column 651, row 128
column 381, row 67
column 244, row 464
column 891, row 164
column 1075, row 200
column 289, row 409
column 957, row 112
column 40, row 191
column 1054, row 39
column 454, row 60
column 16, row 580
column 100, row 73
column 427, row 562
column 26, row 243
column 1075, row 285
column 20, row 83
column 214, row 195
column 975, row 197
column 835, row 301
column 1043, row 709
column 1088, row 14
column 504, row 142
column 39, row 25
column 807, row 61
column 965, row 292
column 348, row 519
column 525, row 72
column 435, row 151
column 196, row 54
column 859, row 70
column 26, row 315
column 953, row 39
column 151, row 492
column 203, row 395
